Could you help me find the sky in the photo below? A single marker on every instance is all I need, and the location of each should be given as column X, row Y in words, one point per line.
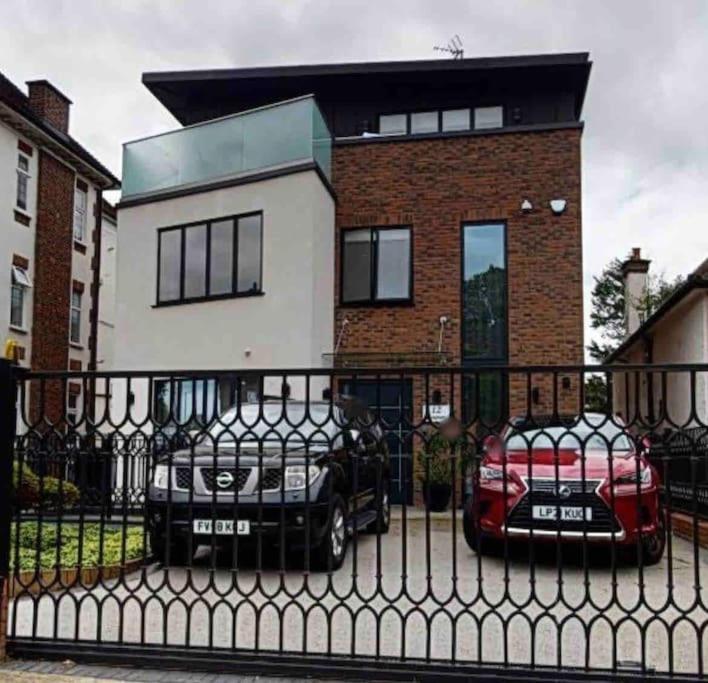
column 645, row 144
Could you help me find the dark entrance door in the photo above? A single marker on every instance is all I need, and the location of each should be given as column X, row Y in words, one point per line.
column 391, row 401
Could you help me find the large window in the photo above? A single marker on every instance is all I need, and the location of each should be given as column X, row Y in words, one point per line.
column 213, row 259
column 484, row 293
column 376, row 265
column 23, row 176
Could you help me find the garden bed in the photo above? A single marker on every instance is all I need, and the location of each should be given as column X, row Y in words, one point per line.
column 51, row 558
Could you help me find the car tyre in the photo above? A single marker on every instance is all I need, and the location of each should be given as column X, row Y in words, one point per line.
column 469, row 526
column 383, row 514
column 653, row 546
column 178, row 550
column 332, row 550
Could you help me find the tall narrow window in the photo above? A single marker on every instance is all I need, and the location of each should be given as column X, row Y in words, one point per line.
column 23, row 176
column 75, row 320
column 376, row 265
column 19, row 284
column 80, row 205
column 217, row 258
column 484, row 293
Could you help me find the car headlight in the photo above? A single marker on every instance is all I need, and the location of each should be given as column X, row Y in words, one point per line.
column 490, row 473
column 161, row 477
column 298, row 477
column 644, row 478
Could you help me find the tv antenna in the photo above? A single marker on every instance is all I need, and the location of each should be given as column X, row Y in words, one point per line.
column 453, row 47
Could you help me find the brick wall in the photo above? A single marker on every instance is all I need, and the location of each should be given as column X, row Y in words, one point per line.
column 52, row 282
column 434, row 186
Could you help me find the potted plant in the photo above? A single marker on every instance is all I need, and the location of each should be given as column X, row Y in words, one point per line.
column 436, row 465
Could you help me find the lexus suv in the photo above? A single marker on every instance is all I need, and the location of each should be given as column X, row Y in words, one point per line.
column 287, row 472
column 570, row 480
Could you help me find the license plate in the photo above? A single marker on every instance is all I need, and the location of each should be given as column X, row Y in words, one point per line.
column 567, row 514
column 224, row 527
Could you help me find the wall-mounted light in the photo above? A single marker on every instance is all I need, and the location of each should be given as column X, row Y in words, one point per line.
column 526, row 206
column 558, row 206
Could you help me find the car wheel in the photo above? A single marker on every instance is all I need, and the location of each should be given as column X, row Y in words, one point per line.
column 469, row 526
column 330, row 554
column 178, row 550
column 653, row 546
column 383, row 514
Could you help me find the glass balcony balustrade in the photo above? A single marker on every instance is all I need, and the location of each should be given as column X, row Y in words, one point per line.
column 267, row 138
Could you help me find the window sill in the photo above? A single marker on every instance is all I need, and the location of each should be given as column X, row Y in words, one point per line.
column 19, row 330
column 205, row 299
column 80, row 246
column 388, row 303
column 76, row 346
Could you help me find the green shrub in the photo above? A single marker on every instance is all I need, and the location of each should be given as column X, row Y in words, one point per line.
column 49, row 537
column 438, row 457
column 30, row 490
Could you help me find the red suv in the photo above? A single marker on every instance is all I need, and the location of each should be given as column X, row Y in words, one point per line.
column 567, row 480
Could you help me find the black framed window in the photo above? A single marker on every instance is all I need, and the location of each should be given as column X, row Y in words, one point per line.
column 484, row 298
column 212, row 259
column 376, row 265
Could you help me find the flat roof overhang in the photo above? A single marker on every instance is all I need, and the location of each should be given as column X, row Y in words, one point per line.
column 193, row 96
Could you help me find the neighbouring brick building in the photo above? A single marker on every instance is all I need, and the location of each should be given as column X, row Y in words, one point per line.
column 50, row 192
column 454, row 238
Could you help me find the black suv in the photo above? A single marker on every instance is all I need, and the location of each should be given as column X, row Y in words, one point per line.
column 303, row 474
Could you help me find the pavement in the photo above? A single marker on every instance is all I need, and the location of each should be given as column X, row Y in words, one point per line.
column 417, row 592
column 69, row 672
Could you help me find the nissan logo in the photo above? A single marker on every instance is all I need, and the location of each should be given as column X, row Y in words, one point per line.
column 224, row 480
column 564, row 491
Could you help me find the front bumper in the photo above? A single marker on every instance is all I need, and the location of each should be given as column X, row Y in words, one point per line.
column 297, row 524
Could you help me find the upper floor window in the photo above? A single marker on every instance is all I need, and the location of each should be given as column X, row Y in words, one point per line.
column 456, row 119
column 484, row 292
column 213, row 259
column 393, row 124
column 23, row 176
column 80, row 206
column 488, row 117
column 424, row 122
column 376, row 265
column 75, row 319
column 19, row 284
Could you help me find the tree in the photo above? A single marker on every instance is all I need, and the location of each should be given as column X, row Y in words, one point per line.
column 608, row 303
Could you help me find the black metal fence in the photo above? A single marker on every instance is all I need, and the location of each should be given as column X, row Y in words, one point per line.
column 374, row 523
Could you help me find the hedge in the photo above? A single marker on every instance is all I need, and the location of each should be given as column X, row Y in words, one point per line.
column 30, row 489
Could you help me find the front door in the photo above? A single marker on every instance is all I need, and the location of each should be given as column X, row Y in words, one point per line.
column 391, row 401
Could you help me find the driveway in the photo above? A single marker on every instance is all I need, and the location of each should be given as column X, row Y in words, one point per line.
column 418, row 592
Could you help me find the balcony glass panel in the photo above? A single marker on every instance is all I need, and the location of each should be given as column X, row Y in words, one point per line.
column 249, row 142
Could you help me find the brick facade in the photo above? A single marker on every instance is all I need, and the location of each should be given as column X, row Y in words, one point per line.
column 52, row 283
column 435, row 186
column 50, row 104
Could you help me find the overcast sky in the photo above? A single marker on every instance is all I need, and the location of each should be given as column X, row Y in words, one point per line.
column 645, row 146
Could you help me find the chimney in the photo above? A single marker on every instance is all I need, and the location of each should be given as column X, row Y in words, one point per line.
column 634, row 272
column 50, row 104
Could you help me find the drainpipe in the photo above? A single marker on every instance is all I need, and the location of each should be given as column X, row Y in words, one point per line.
column 95, row 288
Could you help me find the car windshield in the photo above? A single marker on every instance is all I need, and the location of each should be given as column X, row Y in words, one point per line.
column 587, row 433
column 295, row 425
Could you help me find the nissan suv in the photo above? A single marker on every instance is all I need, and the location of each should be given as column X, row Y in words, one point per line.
column 306, row 475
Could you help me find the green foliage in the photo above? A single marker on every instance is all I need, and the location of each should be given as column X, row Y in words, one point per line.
column 30, row 489
column 596, row 393
column 608, row 304
column 437, row 460
column 58, row 545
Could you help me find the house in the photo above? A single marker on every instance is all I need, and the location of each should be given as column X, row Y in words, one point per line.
column 381, row 214
column 50, row 188
column 676, row 332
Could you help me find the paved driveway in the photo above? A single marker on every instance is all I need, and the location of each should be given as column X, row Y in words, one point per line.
column 418, row 592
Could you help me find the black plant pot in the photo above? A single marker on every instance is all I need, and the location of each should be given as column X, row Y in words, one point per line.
column 437, row 496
